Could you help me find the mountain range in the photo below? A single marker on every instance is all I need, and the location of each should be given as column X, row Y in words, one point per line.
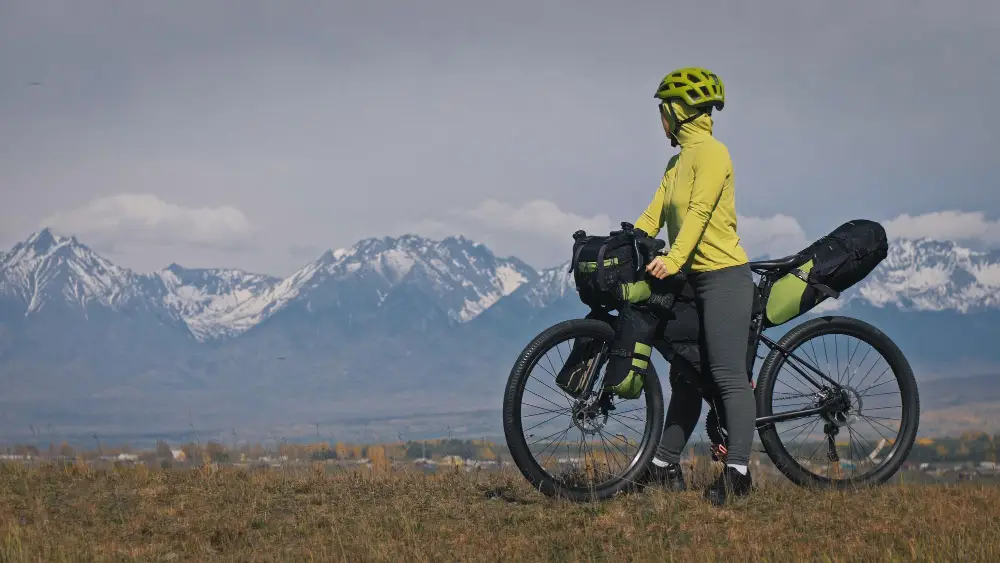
column 388, row 327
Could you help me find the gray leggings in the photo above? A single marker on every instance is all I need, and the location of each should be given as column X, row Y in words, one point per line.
column 724, row 299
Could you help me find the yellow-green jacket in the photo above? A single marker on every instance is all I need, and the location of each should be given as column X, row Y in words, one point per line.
column 696, row 201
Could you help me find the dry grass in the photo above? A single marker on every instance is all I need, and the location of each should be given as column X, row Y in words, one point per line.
column 79, row 514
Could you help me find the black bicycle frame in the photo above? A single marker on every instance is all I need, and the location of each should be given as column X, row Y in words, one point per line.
column 757, row 337
column 763, row 290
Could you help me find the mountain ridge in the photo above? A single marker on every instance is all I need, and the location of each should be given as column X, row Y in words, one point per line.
column 389, row 325
column 465, row 278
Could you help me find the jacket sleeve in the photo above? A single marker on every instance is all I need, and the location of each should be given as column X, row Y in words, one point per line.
column 710, row 171
column 651, row 220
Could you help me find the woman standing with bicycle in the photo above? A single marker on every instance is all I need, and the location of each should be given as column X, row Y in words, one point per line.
column 696, row 202
column 575, row 434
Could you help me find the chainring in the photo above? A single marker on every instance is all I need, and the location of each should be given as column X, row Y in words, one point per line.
column 715, row 427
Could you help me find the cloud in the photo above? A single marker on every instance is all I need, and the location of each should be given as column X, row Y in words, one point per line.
column 146, row 219
column 956, row 226
column 540, row 232
column 776, row 236
column 331, row 121
column 539, row 217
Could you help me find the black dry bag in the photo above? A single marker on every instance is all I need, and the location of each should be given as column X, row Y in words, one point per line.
column 835, row 263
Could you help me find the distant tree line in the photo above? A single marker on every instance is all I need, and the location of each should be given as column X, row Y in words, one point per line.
column 968, row 447
column 165, row 454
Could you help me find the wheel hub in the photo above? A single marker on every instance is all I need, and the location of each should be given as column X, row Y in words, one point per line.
column 845, row 407
column 590, row 414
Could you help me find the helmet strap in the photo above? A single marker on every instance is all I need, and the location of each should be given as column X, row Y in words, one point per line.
column 678, row 123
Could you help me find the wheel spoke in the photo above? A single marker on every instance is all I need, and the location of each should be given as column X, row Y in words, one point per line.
column 861, row 363
column 563, row 394
column 541, row 423
column 865, row 386
column 543, row 398
column 544, row 412
column 627, row 426
column 600, row 445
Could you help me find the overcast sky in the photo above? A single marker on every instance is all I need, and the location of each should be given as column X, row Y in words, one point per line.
column 196, row 132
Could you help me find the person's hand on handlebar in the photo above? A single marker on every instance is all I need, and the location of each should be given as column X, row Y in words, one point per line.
column 659, row 268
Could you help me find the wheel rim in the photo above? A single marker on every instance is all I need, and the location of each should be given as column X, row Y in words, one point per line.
column 866, row 418
column 579, row 444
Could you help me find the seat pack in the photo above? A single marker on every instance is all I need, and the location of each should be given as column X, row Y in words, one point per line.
column 833, row 264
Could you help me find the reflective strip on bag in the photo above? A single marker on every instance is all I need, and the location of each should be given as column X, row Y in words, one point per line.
column 636, row 292
column 589, row 267
column 640, row 359
column 644, row 350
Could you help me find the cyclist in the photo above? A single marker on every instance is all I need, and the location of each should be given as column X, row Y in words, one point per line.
column 696, row 202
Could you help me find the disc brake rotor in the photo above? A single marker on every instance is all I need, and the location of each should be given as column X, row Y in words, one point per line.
column 848, row 409
column 590, row 414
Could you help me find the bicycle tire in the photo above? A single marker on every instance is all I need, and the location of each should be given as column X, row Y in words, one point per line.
column 910, row 400
column 513, row 432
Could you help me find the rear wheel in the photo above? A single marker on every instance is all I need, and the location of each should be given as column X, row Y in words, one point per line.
column 865, row 387
column 586, row 448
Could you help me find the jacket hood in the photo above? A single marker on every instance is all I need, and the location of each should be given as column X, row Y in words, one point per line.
column 694, row 131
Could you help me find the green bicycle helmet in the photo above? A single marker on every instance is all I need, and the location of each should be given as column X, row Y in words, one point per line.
column 698, row 87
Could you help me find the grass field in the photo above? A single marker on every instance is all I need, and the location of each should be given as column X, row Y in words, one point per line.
column 80, row 514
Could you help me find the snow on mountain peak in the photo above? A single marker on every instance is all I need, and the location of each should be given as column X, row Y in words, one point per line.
column 930, row 275
column 47, row 266
column 460, row 277
column 205, row 298
column 553, row 284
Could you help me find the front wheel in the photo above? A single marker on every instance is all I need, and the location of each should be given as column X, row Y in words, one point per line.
column 862, row 386
column 586, row 448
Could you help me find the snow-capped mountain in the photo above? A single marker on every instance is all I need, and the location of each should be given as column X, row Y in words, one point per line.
column 462, row 277
column 389, row 322
column 48, row 270
column 553, row 285
column 205, row 298
column 459, row 276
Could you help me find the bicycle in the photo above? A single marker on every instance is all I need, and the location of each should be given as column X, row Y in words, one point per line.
column 833, row 400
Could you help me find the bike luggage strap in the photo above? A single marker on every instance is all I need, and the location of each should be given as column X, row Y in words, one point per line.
column 624, row 353
column 827, row 290
column 600, row 268
column 574, row 265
